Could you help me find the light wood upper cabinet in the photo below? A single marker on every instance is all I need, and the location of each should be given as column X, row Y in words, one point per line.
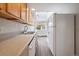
column 14, row 9
column 24, row 12
column 3, row 11
column 3, row 6
column 29, row 15
column 19, row 12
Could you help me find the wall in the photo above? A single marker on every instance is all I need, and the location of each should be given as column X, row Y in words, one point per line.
column 51, row 33
column 9, row 29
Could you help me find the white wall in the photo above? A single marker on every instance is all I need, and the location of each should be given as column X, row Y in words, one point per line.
column 64, row 35
column 9, row 29
column 51, row 29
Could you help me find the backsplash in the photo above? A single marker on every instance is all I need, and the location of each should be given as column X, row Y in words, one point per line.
column 7, row 26
column 9, row 29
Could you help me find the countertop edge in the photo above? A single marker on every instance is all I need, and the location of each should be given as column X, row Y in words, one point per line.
column 27, row 44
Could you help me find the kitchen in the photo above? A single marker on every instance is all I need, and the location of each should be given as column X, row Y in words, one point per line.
column 16, row 22
column 24, row 27
column 14, row 18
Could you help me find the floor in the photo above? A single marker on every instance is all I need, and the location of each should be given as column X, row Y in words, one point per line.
column 42, row 48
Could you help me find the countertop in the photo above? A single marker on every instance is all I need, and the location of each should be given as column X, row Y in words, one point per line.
column 16, row 45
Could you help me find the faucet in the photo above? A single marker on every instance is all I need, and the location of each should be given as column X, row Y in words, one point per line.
column 25, row 29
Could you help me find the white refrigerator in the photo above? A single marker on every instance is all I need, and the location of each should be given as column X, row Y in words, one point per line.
column 61, row 34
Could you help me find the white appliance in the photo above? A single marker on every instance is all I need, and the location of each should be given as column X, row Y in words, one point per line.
column 61, row 34
column 64, row 42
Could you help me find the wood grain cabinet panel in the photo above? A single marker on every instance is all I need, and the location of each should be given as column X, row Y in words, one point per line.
column 30, row 17
column 29, row 14
column 14, row 9
column 19, row 12
column 24, row 12
column 3, row 6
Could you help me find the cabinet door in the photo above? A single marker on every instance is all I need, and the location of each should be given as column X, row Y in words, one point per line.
column 24, row 12
column 14, row 9
column 64, row 35
column 29, row 15
column 3, row 6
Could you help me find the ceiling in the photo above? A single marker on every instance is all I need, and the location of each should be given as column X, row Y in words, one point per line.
column 43, row 9
column 56, row 7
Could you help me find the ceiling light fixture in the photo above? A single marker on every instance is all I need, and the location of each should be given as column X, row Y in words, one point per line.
column 33, row 9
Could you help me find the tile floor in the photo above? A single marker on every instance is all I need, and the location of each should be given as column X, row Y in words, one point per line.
column 42, row 48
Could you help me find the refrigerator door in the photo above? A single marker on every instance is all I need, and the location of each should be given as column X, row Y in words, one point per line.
column 64, row 42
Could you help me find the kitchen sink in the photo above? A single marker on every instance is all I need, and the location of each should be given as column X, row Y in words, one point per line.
column 29, row 32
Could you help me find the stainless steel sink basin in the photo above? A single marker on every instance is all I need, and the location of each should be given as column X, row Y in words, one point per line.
column 30, row 32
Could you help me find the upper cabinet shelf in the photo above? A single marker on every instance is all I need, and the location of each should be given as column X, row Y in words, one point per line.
column 19, row 12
